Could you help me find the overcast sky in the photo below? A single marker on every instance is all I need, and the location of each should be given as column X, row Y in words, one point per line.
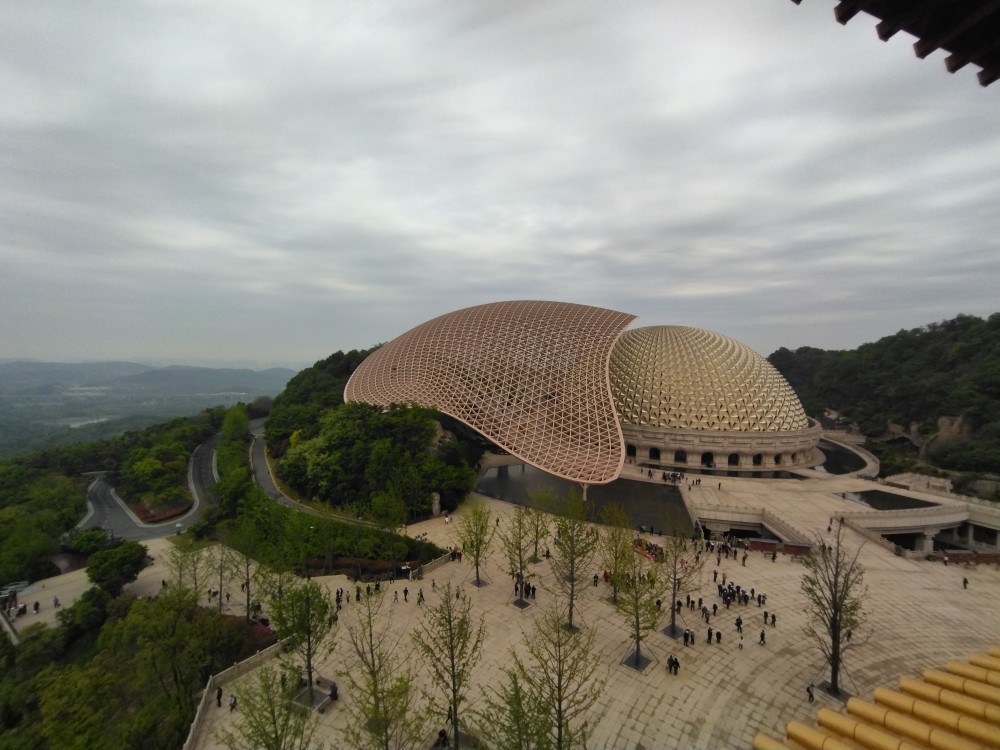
column 264, row 183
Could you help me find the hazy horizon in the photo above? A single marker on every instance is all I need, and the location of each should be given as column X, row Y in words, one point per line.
column 261, row 185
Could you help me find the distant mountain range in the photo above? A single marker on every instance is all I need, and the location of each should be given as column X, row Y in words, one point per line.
column 50, row 403
column 53, row 378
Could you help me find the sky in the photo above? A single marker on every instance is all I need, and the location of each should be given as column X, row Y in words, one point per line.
column 263, row 183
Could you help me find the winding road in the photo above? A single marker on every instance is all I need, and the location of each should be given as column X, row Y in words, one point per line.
column 105, row 510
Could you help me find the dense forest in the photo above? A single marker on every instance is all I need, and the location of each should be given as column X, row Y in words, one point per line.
column 43, row 494
column 120, row 672
column 364, row 457
column 307, row 396
column 940, row 383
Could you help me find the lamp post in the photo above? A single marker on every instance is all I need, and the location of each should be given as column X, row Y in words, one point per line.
column 308, row 623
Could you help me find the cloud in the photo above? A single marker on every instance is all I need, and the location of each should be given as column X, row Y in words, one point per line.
column 270, row 183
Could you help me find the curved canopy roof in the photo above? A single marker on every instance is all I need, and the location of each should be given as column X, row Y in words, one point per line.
column 531, row 376
column 690, row 378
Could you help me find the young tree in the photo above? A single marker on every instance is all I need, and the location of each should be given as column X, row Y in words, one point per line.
column 834, row 585
column 189, row 564
column 682, row 572
column 546, row 701
column 384, row 713
column 641, row 587
column 475, row 533
column 241, row 566
column 514, row 541
column 304, row 614
column 541, row 502
column 268, row 719
column 508, row 719
column 616, row 540
column 451, row 645
column 575, row 547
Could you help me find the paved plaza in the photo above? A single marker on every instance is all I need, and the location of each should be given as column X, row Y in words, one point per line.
column 920, row 614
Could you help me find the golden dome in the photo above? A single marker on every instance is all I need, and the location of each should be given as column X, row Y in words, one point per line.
column 690, row 378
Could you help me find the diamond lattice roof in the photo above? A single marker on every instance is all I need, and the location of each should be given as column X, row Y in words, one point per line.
column 674, row 376
column 531, row 376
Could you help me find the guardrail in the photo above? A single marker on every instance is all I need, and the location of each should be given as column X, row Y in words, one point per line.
column 870, row 535
column 904, row 518
column 8, row 627
column 432, row 565
column 748, row 515
column 217, row 680
column 780, row 526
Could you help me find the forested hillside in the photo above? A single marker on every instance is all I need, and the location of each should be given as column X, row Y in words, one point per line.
column 915, row 377
column 362, row 456
column 308, row 395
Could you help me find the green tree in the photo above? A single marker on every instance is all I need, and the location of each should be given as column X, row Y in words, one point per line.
column 304, row 614
column 575, row 548
column 547, row 699
column 190, row 564
column 112, row 569
column 642, row 588
column 384, row 711
column 616, row 544
column 834, row 585
column 475, row 533
column 541, row 502
column 268, row 717
column 508, row 719
column 389, row 513
column 79, row 704
column 451, row 646
column 682, row 572
column 515, row 544
column 163, row 650
column 236, row 424
column 240, row 538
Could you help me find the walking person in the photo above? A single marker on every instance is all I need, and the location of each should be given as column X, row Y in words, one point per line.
column 809, row 692
column 218, row 697
column 763, row 638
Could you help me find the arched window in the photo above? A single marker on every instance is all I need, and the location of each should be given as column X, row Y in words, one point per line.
column 758, row 460
column 654, row 454
column 734, row 459
column 630, row 451
column 777, row 459
column 708, row 459
column 680, row 457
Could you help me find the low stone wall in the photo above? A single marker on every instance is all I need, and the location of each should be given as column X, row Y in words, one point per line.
column 431, row 566
column 792, row 549
column 217, row 680
column 872, row 536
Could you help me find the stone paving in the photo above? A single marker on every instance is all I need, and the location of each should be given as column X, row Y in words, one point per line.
column 722, row 697
column 921, row 616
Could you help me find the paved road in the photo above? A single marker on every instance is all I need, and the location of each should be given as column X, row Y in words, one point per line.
column 261, row 471
column 109, row 512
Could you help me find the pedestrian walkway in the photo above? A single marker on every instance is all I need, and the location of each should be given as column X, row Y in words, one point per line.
column 721, row 696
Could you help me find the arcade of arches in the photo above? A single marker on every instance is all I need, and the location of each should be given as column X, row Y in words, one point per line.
column 726, row 450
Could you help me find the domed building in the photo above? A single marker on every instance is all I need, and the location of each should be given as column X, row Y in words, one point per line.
column 567, row 389
column 687, row 397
